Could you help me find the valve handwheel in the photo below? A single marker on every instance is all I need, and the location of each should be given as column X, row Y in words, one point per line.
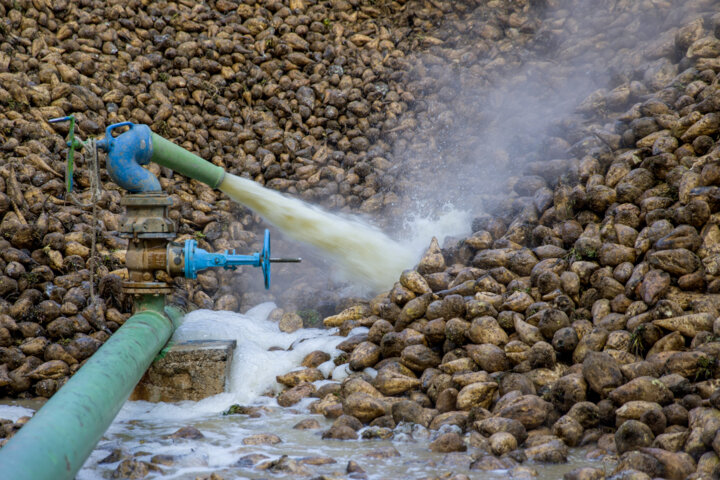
column 196, row 259
column 265, row 259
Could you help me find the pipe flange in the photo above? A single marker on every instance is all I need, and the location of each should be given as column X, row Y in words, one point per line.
column 164, row 236
column 146, row 216
column 146, row 288
column 151, row 199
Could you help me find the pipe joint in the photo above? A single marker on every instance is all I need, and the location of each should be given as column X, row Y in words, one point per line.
column 127, row 153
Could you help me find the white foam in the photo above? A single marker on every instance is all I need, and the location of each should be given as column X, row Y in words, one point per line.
column 13, row 412
column 341, row 372
column 420, row 229
column 254, row 366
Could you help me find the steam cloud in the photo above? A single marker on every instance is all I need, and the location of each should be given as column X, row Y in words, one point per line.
column 480, row 126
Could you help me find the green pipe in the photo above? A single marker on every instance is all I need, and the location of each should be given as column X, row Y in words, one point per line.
column 55, row 443
column 176, row 158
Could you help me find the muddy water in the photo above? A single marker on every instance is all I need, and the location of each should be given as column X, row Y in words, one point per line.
column 142, row 430
column 221, row 451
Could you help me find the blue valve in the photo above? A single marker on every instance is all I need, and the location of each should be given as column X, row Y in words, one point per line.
column 197, row 259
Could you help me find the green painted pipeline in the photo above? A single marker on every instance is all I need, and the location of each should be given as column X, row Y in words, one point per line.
column 55, row 443
column 176, row 158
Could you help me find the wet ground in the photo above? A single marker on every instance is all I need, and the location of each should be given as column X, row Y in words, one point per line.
column 143, row 431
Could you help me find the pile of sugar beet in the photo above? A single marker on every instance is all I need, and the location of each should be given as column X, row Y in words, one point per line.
column 588, row 317
column 296, row 95
column 581, row 311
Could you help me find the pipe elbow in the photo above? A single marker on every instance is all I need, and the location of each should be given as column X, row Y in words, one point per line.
column 126, row 154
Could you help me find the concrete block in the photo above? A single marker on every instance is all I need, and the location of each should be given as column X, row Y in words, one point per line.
column 190, row 370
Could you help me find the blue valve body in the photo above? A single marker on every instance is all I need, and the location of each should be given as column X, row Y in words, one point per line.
column 126, row 155
column 197, row 259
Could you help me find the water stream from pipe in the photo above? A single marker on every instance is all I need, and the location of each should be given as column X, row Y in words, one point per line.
column 361, row 251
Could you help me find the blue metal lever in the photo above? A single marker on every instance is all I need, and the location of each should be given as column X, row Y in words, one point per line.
column 197, row 259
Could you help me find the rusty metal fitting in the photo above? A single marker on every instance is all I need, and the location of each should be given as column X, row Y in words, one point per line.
column 147, row 225
column 175, row 260
column 147, row 216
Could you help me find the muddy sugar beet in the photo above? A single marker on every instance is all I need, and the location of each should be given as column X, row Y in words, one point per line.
column 582, row 310
column 587, row 317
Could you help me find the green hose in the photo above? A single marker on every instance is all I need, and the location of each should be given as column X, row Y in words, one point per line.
column 176, row 158
column 55, row 443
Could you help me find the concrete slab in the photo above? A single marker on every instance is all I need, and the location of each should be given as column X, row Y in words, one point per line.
column 190, row 370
